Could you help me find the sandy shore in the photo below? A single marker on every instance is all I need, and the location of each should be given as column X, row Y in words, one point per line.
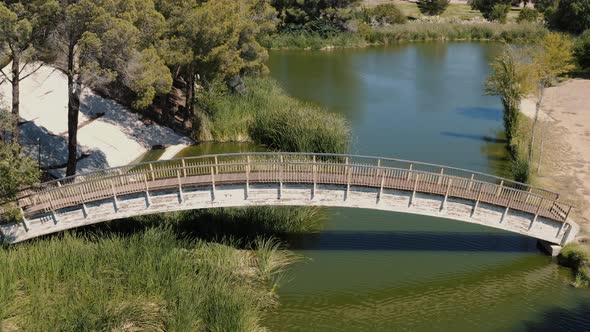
column 565, row 165
column 109, row 135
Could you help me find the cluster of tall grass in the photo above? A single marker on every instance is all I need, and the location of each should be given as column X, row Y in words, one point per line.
column 268, row 116
column 410, row 32
column 152, row 280
column 577, row 257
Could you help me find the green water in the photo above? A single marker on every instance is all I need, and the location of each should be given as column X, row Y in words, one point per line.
column 383, row 271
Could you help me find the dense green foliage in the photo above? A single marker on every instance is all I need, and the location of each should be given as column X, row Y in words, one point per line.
column 569, row 15
column 266, row 115
column 321, row 16
column 492, row 9
column 433, row 7
column 152, row 281
column 528, row 15
column 385, row 14
column 499, row 13
column 582, row 51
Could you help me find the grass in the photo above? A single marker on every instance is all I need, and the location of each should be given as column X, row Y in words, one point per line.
column 411, row 32
column 458, row 11
column 152, row 280
column 268, row 116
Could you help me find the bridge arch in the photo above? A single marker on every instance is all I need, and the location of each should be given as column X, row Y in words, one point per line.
column 303, row 179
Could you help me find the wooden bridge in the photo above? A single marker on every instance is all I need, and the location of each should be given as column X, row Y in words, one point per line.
column 303, row 179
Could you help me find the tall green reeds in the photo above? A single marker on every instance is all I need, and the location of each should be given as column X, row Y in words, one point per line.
column 268, row 116
column 148, row 281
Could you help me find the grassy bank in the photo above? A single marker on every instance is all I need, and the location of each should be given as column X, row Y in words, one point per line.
column 267, row 115
column 152, row 280
column 410, row 32
column 577, row 257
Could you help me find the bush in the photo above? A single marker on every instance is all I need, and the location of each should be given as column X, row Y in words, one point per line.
column 486, row 7
column 574, row 255
column 433, row 7
column 386, row 14
column 570, row 15
column 528, row 15
column 582, row 51
column 520, row 169
column 499, row 13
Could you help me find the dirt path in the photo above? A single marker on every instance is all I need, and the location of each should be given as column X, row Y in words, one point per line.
column 565, row 165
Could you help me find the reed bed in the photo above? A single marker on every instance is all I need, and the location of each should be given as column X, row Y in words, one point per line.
column 151, row 280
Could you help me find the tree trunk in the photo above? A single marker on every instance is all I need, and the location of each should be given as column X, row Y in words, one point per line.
column 73, row 111
column 16, row 95
column 189, row 102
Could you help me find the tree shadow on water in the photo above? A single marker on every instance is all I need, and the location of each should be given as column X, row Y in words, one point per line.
column 563, row 319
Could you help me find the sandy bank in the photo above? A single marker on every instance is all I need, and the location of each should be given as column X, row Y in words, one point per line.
column 565, row 165
column 109, row 134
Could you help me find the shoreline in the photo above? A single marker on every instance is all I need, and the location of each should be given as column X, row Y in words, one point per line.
column 564, row 130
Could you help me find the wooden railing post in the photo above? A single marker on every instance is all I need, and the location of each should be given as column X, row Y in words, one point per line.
column 216, row 165
column 82, row 196
column 382, row 184
column 500, row 188
column 410, row 171
column 440, row 176
column 470, row 182
column 152, row 172
column 183, row 168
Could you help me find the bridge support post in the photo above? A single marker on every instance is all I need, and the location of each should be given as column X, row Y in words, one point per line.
column 281, row 176
column 476, row 202
column 115, row 201
column 347, row 169
column 444, row 203
column 415, row 188
column 247, row 176
column 84, row 209
column 313, row 176
column 25, row 221
column 381, row 187
column 212, row 184
column 180, row 194
column 148, row 199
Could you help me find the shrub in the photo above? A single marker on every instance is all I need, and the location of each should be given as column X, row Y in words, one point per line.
column 499, row 13
column 520, row 169
column 433, row 7
column 570, row 15
column 486, row 7
column 582, row 50
column 574, row 255
column 528, row 15
column 387, row 14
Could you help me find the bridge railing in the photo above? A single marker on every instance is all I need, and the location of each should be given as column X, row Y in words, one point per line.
column 293, row 168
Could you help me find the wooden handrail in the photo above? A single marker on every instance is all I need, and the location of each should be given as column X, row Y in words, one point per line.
column 297, row 167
